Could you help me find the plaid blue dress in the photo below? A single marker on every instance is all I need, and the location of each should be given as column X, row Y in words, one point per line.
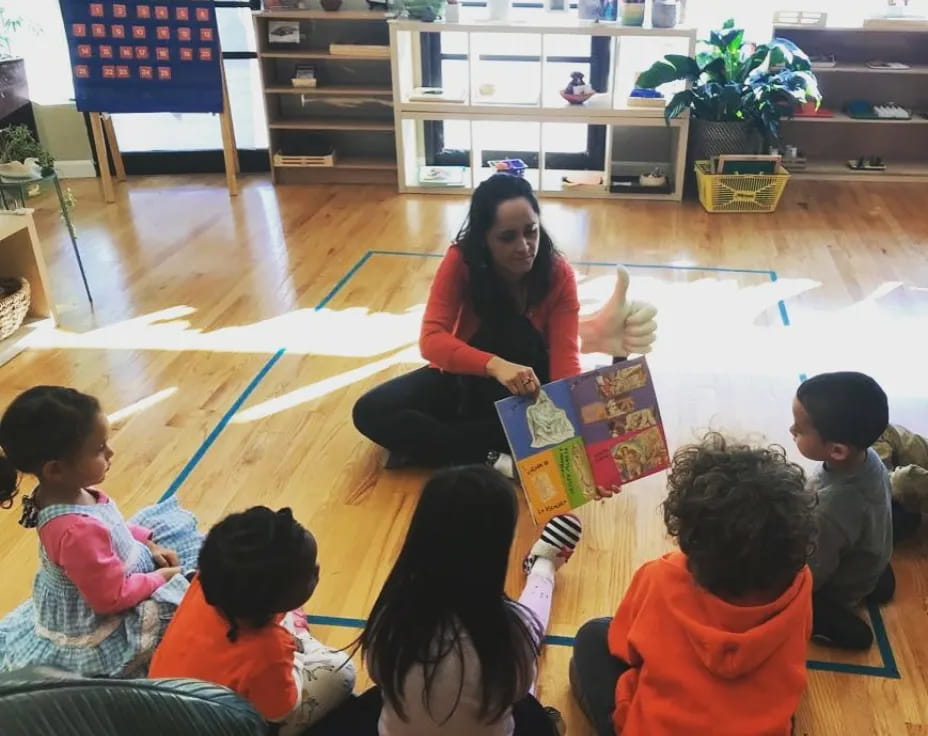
column 59, row 629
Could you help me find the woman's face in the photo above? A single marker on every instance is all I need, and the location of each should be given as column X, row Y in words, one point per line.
column 513, row 237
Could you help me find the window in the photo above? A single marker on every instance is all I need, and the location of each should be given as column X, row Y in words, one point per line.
column 187, row 133
column 445, row 63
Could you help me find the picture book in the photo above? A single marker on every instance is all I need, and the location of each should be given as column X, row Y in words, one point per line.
column 599, row 429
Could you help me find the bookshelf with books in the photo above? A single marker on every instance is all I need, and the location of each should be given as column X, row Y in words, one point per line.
column 500, row 103
column 873, row 122
column 328, row 93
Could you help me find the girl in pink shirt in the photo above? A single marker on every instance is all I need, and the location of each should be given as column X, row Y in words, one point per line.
column 106, row 589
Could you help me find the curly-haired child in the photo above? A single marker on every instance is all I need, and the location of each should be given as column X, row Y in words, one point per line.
column 710, row 638
column 106, row 589
column 241, row 626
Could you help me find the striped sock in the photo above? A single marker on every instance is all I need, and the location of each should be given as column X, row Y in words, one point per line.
column 559, row 538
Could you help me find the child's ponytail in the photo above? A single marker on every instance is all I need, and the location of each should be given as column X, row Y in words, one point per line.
column 9, row 480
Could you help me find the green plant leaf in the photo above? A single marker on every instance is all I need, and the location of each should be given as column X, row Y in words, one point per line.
column 678, row 103
column 672, row 68
column 715, row 70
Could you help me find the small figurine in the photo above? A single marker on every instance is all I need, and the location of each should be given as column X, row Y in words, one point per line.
column 577, row 91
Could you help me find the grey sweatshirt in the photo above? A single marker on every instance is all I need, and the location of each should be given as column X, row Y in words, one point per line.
column 855, row 530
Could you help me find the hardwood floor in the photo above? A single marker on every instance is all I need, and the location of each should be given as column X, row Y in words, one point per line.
column 196, row 293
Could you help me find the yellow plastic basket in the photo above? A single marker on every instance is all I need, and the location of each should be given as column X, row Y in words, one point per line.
column 739, row 192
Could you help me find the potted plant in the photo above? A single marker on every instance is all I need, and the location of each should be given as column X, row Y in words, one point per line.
column 21, row 155
column 739, row 92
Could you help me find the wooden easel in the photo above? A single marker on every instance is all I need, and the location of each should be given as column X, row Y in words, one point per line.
column 106, row 146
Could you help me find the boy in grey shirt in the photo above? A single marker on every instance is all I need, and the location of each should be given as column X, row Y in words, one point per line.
column 837, row 417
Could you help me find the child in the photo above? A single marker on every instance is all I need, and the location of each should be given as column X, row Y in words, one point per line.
column 105, row 589
column 710, row 638
column 836, row 418
column 240, row 623
column 451, row 652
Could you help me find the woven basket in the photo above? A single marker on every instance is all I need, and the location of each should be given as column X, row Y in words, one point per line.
column 14, row 305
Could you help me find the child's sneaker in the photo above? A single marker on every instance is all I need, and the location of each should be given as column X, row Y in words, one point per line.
column 558, row 539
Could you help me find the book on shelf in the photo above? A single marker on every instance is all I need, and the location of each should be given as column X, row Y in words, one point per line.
column 436, row 94
column 283, row 31
column 442, row 176
column 599, row 429
column 359, row 49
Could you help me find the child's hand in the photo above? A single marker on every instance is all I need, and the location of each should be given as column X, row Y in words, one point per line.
column 169, row 572
column 162, row 556
column 608, row 491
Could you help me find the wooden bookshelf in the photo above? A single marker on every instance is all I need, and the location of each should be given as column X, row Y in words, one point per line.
column 350, row 109
column 829, row 142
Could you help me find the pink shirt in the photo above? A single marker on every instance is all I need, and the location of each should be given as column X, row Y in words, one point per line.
column 81, row 546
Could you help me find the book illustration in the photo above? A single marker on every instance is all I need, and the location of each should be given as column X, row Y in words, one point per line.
column 598, row 429
column 547, row 423
column 641, row 455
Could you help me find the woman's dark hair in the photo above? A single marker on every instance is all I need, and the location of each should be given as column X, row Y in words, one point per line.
column 247, row 564
column 742, row 515
column 488, row 293
column 845, row 407
column 448, row 582
column 42, row 424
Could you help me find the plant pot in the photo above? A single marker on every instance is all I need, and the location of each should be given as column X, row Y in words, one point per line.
column 331, row 5
column 709, row 138
column 15, row 297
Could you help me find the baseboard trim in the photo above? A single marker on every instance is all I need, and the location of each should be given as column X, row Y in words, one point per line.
column 76, row 169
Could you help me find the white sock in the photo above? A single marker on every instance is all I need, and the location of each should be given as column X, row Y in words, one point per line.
column 544, row 567
column 505, row 465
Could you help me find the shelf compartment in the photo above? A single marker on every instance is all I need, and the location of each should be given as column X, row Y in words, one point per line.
column 416, row 157
column 331, row 124
column 335, row 91
column 320, row 55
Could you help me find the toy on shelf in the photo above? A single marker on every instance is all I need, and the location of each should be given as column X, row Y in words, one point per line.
column 511, row 166
column 810, row 110
column 641, row 97
column 864, row 110
column 577, row 91
column 655, row 178
column 867, row 163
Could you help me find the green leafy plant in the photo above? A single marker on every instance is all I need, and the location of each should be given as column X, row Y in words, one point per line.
column 735, row 81
column 17, row 144
column 9, row 25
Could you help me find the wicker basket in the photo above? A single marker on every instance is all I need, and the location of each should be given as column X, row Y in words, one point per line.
column 14, row 305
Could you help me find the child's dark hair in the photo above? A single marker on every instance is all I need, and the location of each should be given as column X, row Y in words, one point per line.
column 247, row 564
column 742, row 515
column 846, row 407
column 42, row 424
column 448, row 582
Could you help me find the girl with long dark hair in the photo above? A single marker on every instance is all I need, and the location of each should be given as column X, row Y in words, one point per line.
column 450, row 651
column 501, row 318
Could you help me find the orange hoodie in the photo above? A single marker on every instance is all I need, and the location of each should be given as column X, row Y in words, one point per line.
column 700, row 665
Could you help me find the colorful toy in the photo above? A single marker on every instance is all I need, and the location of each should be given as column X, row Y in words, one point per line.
column 577, row 91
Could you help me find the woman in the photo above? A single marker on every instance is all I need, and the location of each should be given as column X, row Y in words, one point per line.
column 501, row 318
column 451, row 653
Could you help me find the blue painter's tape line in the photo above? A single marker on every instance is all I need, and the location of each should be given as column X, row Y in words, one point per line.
column 882, row 641
column 340, row 284
column 217, row 430
column 613, row 264
column 849, row 669
column 781, row 305
column 345, row 623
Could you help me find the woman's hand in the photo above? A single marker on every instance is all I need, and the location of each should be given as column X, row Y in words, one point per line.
column 162, row 556
column 519, row 379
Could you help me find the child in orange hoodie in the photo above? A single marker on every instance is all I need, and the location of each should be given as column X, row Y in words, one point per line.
column 710, row 639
